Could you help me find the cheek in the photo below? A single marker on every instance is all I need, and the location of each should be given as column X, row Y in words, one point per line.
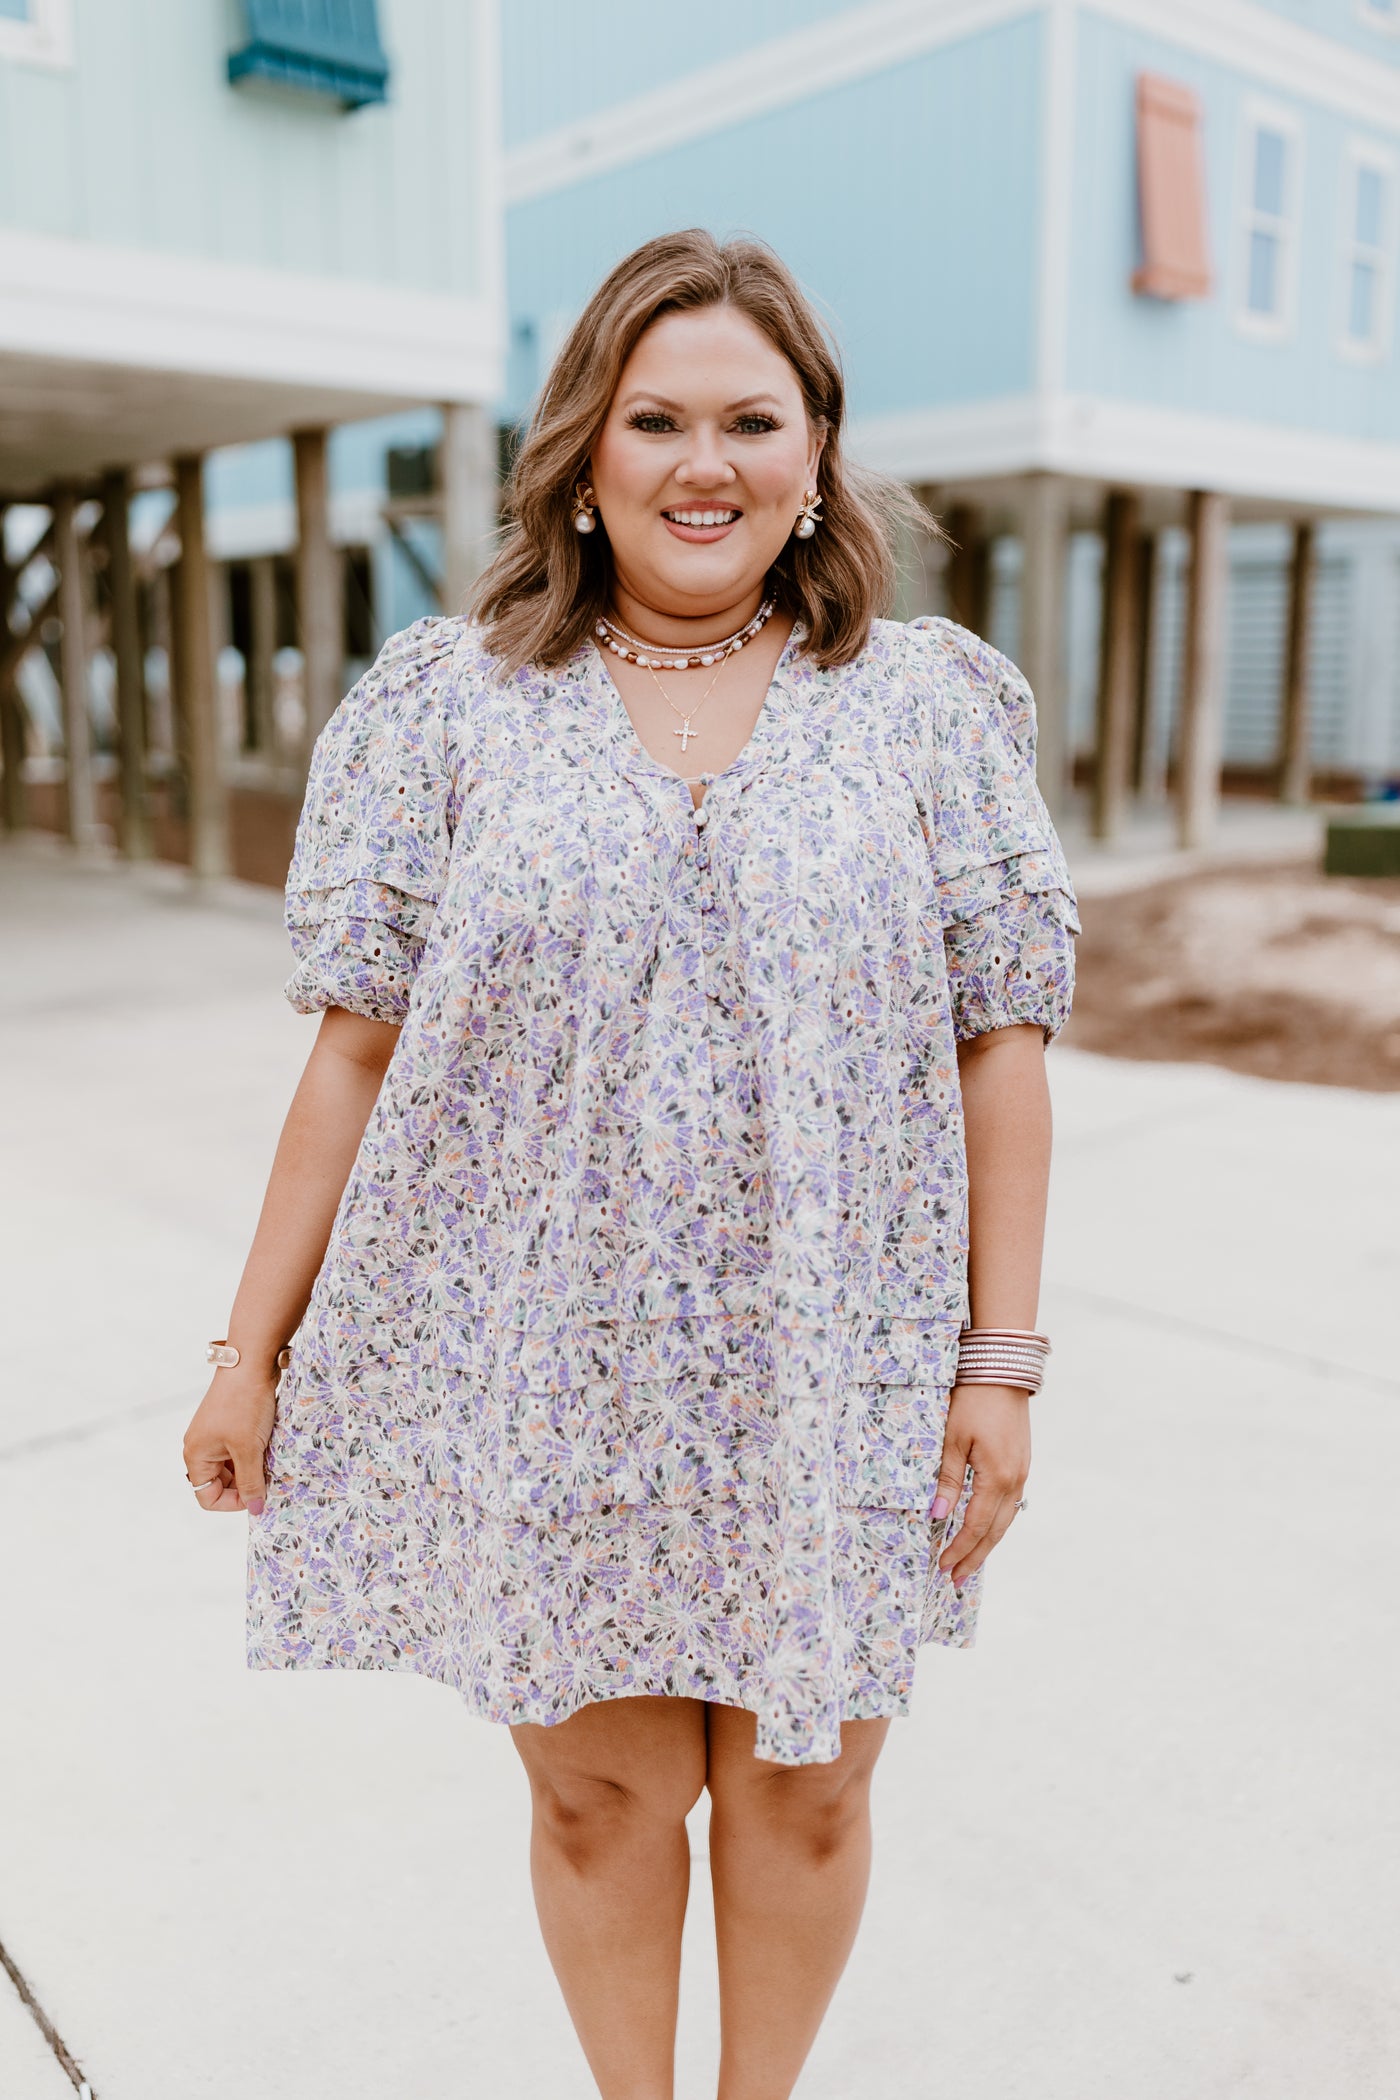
column 778, row 478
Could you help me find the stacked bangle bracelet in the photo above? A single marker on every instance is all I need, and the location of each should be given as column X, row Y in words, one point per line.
column 1002, row 1356
column 225, row 1355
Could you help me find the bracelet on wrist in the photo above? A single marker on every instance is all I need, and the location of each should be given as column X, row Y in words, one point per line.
column 224, row 1355
column 1002, row 1356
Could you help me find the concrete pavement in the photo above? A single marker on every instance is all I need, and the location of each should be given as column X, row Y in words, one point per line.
column 1139, row 1844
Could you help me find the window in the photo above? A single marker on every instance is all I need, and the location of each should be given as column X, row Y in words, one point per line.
column 1270, row 183
column 326, row 48
column 1171, row 192
column 40, row 31
column 1367, row 250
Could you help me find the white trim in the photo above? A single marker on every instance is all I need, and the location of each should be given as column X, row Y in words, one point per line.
column 1056, row 198
column 1241, row 34
column 134, row 307
column 1362, row 153
column 772, row 75
column 1124, row 443
column 1285, row 227
column 46, row 39
column 1271, row 52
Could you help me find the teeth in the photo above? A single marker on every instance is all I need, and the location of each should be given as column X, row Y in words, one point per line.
column 703, row 517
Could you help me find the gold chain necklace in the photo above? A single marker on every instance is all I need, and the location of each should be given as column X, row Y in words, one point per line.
column 685, row 732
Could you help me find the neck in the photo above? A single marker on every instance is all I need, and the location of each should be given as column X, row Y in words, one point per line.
column 667, row 628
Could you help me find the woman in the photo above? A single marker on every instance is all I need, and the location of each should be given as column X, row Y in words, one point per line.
column 688, row 939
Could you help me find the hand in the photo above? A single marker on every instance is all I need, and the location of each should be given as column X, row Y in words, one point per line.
column 988, row 1428
column 228, row 1436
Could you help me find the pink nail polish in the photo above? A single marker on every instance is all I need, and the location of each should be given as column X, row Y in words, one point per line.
column 256, row 1506
column 941, row 1508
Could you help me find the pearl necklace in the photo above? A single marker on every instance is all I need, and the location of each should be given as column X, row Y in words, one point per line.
column 661, row 657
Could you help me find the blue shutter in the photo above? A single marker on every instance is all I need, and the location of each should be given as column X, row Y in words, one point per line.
column 321, row 47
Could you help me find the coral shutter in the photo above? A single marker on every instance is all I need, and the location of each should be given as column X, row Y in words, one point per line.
column 1171, row 191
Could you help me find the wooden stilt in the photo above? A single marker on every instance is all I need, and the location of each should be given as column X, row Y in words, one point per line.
column 12, row 737
column 469, row 499
column 1148, row 783
column 1120, row 635
column 969, row 568
column 1203, row 670
column 83, row 828
column 262, row 647
column 320, row 609
column 1045, row 539
column 1295, row 740
column 135, row 823
column 208, row 796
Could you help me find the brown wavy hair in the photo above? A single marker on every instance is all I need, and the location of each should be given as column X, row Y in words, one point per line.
column 540, row 596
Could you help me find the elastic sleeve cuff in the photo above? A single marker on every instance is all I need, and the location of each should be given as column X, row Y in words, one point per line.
column 365, row 965
column 1008, row 940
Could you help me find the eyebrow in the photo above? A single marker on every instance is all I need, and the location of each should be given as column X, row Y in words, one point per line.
column 645, row 394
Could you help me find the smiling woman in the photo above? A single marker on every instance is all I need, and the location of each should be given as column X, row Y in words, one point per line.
column 690, row 1101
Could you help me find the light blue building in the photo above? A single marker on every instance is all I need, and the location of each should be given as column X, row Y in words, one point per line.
column 1115, row 282
column 233, row 233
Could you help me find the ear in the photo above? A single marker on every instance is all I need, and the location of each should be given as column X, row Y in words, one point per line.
column 814, row 455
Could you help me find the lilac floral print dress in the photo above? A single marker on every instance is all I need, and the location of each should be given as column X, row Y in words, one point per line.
column 627, row 1364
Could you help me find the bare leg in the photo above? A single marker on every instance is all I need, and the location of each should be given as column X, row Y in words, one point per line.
column 610, row 1862
column 790, row 1861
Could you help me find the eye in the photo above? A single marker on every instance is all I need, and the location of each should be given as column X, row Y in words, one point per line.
column 651, row 420
column 756, row 426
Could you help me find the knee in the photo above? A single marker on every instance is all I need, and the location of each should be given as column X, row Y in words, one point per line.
column 587, row 1816
column 815, row 1810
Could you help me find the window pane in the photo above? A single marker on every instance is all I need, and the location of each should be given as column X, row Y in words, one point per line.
column 1263, row 273
column 1270, row 151
column 1361, row 320
column 1370, row 194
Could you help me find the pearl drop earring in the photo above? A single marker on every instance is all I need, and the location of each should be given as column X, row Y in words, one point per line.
column 808, row 518
column 584, row 520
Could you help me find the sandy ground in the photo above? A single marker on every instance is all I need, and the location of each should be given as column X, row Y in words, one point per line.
column 1279, row 971
column 1137, row 1844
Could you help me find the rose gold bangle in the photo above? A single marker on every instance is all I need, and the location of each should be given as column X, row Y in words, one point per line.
column 225, row 1355
column 1002, row 1356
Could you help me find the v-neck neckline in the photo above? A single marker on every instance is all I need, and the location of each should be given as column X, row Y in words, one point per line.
column 634, row 753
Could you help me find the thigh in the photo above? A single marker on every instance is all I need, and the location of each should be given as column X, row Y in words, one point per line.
column 650, row 1750
column 733, row 1772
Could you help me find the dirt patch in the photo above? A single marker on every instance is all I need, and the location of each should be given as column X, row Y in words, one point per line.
column 1278, row 970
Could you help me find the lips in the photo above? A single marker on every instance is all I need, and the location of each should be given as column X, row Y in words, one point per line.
column 701, row 525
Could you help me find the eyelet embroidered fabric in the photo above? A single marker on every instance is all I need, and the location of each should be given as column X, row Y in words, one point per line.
column 627, row 1364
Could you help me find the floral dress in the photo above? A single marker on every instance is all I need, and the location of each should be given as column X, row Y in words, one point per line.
column 627, row 1364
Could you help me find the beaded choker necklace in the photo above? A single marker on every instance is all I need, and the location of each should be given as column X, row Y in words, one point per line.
column 659, row 656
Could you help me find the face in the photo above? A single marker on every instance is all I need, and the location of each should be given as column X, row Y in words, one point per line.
column 708, row 423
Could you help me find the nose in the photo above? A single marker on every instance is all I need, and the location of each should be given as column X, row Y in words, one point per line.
column 705, row 465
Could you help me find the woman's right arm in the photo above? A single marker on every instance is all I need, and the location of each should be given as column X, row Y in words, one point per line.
column 229, row 1434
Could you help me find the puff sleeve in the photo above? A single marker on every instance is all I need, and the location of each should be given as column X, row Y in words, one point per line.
column 1009, row 909
column 374, row 834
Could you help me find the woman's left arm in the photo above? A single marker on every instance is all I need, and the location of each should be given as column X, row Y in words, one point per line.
column 1006, row 1110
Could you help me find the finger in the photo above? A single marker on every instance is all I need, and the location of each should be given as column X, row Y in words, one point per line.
column 981, row 1509
column 952, row 1477
column 248, row 1477
column 205, row 1474
column 970, row 1556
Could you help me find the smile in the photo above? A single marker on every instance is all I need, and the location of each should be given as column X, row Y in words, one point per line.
column 701, row 520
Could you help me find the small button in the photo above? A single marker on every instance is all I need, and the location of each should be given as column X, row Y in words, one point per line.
column 702, row 817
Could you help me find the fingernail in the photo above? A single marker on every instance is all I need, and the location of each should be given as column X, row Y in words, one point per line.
column 256, row 1506
column 941, row 1507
